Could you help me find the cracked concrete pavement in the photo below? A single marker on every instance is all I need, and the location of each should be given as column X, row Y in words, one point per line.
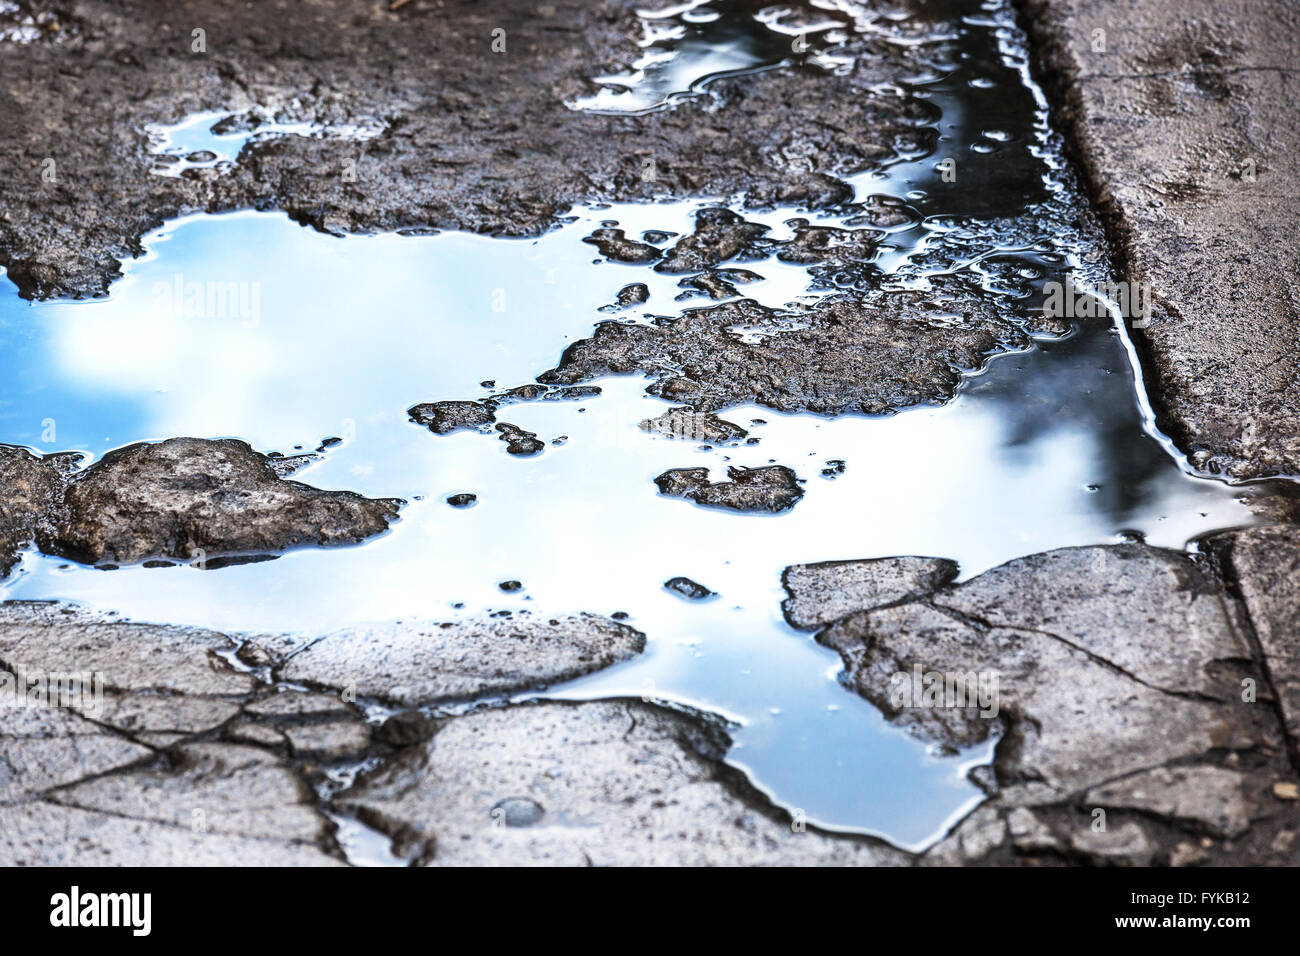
column 1077, row 646
column 193, row 758
column 212, row 747
column 206, row 748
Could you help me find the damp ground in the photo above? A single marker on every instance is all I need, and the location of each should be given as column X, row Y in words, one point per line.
column 247, row 325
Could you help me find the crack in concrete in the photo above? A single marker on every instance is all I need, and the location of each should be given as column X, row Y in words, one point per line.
column 1228, row 578
column 984, row 626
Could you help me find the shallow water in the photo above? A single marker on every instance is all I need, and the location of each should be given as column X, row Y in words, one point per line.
column 692, row 44
column 199, row 141
column 249, row 326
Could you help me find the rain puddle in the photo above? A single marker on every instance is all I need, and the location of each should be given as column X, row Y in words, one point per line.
column 210, row 139
column 249, row 326
column 690, row 45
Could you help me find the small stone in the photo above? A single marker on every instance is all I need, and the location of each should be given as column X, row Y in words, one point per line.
column 719, row 234
column 773, row 488
column 691, row 590
column 518, row 441
column 196, row 500
column 510, row 586
column 632, row 294
column 1286, row 791
column 813, row 245
column 443, row 418
column 710, row 283
column 462, row 500
column 686, row 423
column 614, row 244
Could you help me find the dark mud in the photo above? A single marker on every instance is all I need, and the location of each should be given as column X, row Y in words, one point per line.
column 872, row 356
column 690, row 425
column 468, row 138
column 774, row 488
column 443, row 418
column 686, row 588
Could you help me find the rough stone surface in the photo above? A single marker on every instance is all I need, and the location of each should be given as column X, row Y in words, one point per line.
column 634, row 293
column 1184, row 121
column 236, row 790
column 604, row 783
column 821, row 593
column 443, row 418
column 719, row 235
column 461, row 137
column 690, row 425
column 823, row 245
column 1264, row 565
column 127, row 779
column 43, row 636
column 44, row 747
column 771, row 488
column 613, row 244
column 414, row 664
column 1062, row 645
column 640, row 784
column 188, row 497
column 42, row 833
column 190, row 761
column 338, row 739
column 1212, row 796
column 884, row 352
column 518, row 441
column 31, row 499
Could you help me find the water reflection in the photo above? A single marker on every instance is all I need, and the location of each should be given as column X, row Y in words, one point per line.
column 690, row 45
column 350, row 332
column 249, row 326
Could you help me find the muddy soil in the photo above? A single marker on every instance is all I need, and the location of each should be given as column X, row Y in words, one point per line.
column 467, row 138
